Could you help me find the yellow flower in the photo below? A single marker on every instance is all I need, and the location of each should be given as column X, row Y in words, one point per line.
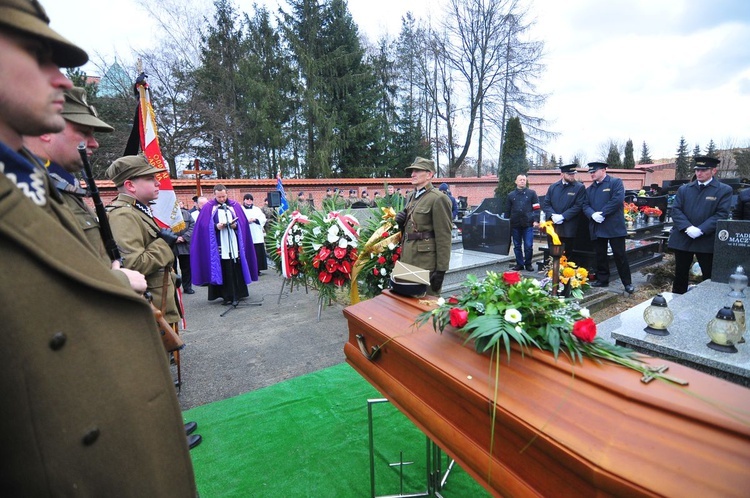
column 563, row 260
column 568, row 272
column 564, row 280
column 549, row 274
column 582, row 273
column 575, row 283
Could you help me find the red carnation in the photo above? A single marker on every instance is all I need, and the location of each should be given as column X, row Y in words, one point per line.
column 394, row 257
column 511, row 277
column 376, row 272
column 452, row 300
column 585, row 330
column 458, row 317
column 381, row 260
column 385, row 235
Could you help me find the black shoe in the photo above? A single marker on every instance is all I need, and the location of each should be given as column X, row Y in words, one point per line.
column 194, row 440
column 529, row 268
column 190, row 428
column 629, row 288
column 517, row 268
column 599, row 283
column 188, row 291
column 235, row 303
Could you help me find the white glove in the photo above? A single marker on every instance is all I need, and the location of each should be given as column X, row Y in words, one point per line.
column 557, row 219
column 693, row 232
column 597, row 217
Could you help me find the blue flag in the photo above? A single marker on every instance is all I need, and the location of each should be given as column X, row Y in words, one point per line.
column 283, row 205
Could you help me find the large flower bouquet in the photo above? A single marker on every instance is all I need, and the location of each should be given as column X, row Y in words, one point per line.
column 284, row 243
column 631, row 211
column 506, row 308
column 651, row 211
column 330, row 250
column 379, row 250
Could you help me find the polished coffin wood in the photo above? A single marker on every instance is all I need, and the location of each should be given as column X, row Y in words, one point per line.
column 559, row 429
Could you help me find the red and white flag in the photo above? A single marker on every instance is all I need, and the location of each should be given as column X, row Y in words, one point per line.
column 166, row 210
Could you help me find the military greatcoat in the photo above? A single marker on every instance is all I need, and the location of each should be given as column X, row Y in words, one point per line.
column 700, row 208
column 567, row 199
column 88, row 405
column 430, row 212
column 137, row 236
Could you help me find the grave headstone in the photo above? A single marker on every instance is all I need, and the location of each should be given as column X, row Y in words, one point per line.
column 484, row 230
column 731, row 249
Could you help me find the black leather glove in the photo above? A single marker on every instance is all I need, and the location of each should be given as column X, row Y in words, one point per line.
column 436, row 280
column 401, row 220
column 168, row 236
column 177, row 280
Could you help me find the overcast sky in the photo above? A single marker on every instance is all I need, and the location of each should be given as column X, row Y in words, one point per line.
column 645, row 70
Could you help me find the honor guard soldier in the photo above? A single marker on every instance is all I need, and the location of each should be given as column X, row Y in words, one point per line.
column 88, row 405
column 563, row 205
column 426, row 225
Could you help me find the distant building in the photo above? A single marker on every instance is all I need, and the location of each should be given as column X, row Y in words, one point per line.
column 115, row 81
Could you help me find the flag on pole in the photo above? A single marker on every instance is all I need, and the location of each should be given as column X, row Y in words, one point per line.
column 284, row 205
column 166, row 210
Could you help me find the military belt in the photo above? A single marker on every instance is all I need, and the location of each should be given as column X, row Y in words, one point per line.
column 420, row 235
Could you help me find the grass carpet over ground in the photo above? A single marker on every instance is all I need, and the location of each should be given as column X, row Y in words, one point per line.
column 308, row 437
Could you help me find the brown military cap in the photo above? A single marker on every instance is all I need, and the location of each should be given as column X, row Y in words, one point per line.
column 422, row 163
column 77, row 110
column 29, row 17
column 129, row 167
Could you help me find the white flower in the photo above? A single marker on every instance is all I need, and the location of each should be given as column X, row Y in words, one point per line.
column 519, row 329
column 536, row 282
column 316, row 231
column 316, row 246
column 512, row 315
column 391, row 246
column 441, row 301
column 383, row 272
column 297, row 238
column 332, row 238
column 584, row 312
column 342, row 242
column 353, row 243
column 380, row 286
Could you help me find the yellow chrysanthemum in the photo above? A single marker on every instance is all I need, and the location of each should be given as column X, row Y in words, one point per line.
column 582, row 273
column 564, row 280
column 574, row 283
column 568, row 272
column 572, row 265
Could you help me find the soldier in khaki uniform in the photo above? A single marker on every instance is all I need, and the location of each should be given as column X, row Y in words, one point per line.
column 145, row 247
column 88, row 406
column 426, row 225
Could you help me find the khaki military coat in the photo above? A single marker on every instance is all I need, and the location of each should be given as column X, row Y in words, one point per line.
column 430, row 212
column 88, row 223
column 88, row 407
column 142, row 250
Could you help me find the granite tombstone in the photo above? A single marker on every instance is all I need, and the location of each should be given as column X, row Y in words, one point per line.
column 731, row 249
column 484, row 230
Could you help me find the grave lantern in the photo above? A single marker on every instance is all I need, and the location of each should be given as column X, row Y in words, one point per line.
column 658, row 316
column 723, row 331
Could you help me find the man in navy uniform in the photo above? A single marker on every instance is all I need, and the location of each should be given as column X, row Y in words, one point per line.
column 697, row 207
column 563, row 205
column 604, row 207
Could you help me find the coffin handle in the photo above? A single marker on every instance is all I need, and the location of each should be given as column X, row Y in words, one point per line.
column 363, row 348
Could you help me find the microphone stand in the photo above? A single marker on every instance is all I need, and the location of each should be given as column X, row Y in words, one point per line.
column 234, row 255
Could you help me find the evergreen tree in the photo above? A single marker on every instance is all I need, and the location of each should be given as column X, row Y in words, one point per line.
column 696, row 153
column 613, row 157
column 683, row 169
column 645, row 155
column 742, row 157
column 711, row 150
column 514, row 159
column 629, row 161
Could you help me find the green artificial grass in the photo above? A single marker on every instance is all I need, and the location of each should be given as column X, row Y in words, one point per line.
column 308, row 437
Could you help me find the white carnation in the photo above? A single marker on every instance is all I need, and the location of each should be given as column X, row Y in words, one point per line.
column 584, row 312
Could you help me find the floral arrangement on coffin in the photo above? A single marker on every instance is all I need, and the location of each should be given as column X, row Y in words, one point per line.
column 379, row 250
column 631, row 212
column 651, row 211
column 284, row 243
column 505, row 308
column 572, row 277
column 330, row 250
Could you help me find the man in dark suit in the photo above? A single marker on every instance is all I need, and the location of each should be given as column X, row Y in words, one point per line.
column 697, row 207
column 88, row 405
column 563, row 205
column 604, row 208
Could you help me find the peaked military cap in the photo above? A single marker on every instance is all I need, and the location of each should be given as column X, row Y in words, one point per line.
column 597, row 165
column 78, row 110
column 129, row 167
column 568, row 168
column 705, row 162
column 423, row 164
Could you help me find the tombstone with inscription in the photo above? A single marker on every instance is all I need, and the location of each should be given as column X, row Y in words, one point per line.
column 484, row 230
column 731, row 249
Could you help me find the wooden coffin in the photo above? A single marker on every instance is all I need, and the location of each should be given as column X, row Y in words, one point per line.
column 560, row 430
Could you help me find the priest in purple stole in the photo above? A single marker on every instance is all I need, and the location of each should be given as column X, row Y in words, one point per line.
column 222, row 254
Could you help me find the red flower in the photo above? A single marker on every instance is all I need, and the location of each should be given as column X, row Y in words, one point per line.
column 394, row 257
column 339, row 281
column 324, row 253
column 345, row 267
column 292, row 253
column 316, row 261
column 585, row 330
column 331, row 265
column 381, row 260
column 325, row 277
column 458, row 317
column 353, row 254
column 452, row 300
column 376, row 272
column 339, row 252
column 511, row 277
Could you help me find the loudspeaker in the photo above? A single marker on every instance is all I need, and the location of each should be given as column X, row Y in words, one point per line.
column 274, row 198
